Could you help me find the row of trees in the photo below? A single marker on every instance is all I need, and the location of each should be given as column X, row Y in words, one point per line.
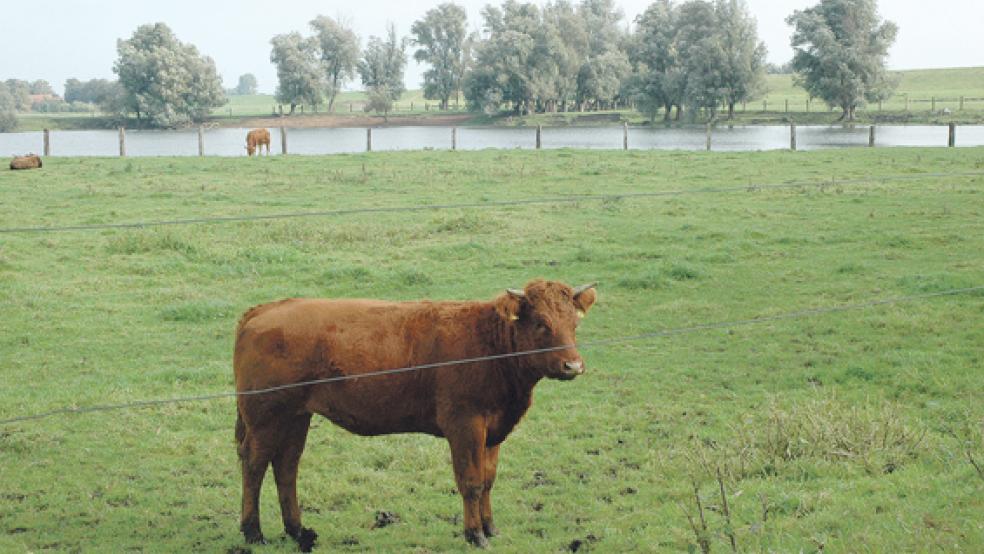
column 694, row 55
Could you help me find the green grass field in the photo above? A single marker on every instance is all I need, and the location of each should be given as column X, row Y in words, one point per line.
column 844, row 432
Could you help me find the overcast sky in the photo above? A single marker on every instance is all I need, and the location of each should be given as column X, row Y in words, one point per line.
column 59, row 39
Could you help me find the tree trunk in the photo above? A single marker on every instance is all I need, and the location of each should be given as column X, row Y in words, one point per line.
column 293, row 106
column 669, row 112
column 731, row 110
column 679, row 112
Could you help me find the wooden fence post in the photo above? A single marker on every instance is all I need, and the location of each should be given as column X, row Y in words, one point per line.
column 369, row 139
column 47, row 143
column 122, row 142
column 283, row 141
column 539, row 134
column 792, row 137
column 708, row 136
column 871, row 137
column 952, row 141
column 201, row 141
column 454, row 138
column 625, row 135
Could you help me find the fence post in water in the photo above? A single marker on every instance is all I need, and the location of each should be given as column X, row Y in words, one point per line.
column 625, row 135
column 283, row 140
column 792, row 137
column 539, row 134
column 122, row 142
column 369, row 139
column 871, row 137
column 47, row 143
column 952, row 141
column 201, row 141
column 454, row 138
column 708, row 136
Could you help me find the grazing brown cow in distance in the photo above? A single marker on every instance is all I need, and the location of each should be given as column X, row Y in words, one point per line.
column 257, row 138
column 30, row 161
column 474, row 405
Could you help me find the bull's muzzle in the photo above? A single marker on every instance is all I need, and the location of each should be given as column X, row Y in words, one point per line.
column 574, row 368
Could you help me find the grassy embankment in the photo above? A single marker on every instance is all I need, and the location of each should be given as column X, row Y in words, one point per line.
column 920, row 86
column 843, row 432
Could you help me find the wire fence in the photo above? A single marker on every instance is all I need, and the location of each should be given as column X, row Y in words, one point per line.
column 572, row 199
column 811, row 312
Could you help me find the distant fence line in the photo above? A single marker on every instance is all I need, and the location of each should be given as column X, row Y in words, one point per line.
column 537, row 142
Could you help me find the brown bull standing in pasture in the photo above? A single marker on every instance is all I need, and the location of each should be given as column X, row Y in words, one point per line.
column 257, row 138
column 474, row 405
column 30, row 161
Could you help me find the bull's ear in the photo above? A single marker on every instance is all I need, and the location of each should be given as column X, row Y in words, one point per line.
column 508, row 307
column 584, row 298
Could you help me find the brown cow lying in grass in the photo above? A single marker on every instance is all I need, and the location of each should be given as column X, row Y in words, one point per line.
column 30, row 161
column 474, row 405
column 257, row 138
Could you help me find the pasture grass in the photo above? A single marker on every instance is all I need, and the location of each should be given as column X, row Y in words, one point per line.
column 852, row 431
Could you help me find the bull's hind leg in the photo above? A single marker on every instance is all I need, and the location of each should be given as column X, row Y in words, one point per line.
column 255, row 454
column 294, row 434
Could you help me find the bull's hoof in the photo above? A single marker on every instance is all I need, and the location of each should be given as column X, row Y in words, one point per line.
column 490, row 529
column 254, row 536
column 305, row 539
column 476, row 537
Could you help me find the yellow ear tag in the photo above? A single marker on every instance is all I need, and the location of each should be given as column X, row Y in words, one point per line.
column 580, row 313
column 514, row 318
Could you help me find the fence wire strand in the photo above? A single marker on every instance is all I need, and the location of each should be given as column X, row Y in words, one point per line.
column 749, row 187
column 811, row 312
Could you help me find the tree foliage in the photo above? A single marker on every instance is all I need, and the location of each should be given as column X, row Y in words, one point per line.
column 840, row 51
column 20, row 91
column 339, row 48
column 441, row 37
column 167, row 83
column 247, row 84
column 382, row 68
column 93, row 91
column 8, row 110
column 299, row 70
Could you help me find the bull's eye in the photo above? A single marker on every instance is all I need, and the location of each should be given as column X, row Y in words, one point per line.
column 542, row 328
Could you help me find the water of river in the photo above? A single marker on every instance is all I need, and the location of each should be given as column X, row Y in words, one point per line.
column 230, row 142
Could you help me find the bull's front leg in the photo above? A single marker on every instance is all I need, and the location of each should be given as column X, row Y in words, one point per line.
column 491, row 465
column 467, row 440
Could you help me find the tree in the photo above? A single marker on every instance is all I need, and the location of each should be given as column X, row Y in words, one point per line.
column 743, row 70
column 93, row 91
column 247, row 84
column 441, row 37
column 8, row 110
column 299, row 70
column 167, row 83
column 840, row 48
column 21, row 93
column 658, row 72
column 702, row 56
column 42, row 87
column 381, row 68
column 339, row 54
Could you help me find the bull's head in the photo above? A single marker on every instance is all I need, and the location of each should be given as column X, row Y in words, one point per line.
column 545, row 315
column 250, row 149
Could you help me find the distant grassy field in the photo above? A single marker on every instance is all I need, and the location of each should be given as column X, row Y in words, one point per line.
column 841, row 432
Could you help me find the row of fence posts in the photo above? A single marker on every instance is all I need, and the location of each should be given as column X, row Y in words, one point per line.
column 951, row 138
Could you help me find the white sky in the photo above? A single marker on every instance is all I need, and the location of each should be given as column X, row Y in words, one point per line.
column 59, row 39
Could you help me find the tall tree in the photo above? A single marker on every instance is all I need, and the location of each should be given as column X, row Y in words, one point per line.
column 840, row 48
column 167, row 83
column 8, row 110
column 652, row 51
column 441, row 36
column 93, row 91
column 382, row 67
column 41, row 87
column 743, row 72
column 299, row 70
column 21, row 93
column 247, row 84
column 339, row 54
column 605, row 63
column 701, row 55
